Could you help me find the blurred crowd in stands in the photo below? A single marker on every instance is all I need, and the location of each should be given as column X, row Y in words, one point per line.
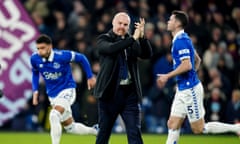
column 215, row 31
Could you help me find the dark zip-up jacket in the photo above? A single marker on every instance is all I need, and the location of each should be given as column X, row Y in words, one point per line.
column 109, row 47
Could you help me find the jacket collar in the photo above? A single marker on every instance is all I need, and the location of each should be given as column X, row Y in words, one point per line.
column 113, row 35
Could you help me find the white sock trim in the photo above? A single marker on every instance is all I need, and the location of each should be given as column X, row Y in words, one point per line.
column 56, row 128
column 79, row 128
column 218, row 127
column 173, row 136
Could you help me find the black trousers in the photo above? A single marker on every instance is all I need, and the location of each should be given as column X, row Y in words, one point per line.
column 126, row 104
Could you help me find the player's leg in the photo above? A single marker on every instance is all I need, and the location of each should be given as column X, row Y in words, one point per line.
column 218, row 127
column 195, row 109
column 78, row 128
column 213, row 127
column 196, row 116
column 197, row 126
column 174, row 126
column 66, row 98
column 59, row 103
column 55, row 123
column 176, row 119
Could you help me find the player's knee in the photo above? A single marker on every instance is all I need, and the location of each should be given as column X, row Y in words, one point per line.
column 197, row 126
column 197, row 130
column 69, row 128
column 54, row 116
column 68, row 121
column 171, row 124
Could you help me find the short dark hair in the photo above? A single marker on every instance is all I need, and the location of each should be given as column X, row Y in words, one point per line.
column 182, row 17
column 44, row 39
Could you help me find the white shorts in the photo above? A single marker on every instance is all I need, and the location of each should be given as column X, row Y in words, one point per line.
column 64, row 99
column 189, row 103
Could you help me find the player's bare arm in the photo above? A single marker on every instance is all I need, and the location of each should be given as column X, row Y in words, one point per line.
column 182, row 68
column 185, row 66
column 197, row 60
column 91, row 82
column 162, row 80
column 35, row 98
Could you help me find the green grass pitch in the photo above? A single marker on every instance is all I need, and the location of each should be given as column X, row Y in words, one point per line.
column 44, row 138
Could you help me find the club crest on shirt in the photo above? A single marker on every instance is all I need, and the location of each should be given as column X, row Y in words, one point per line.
column 56, row 65
column 41, row 65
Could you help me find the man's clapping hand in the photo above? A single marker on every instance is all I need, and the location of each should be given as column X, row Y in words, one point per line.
column 139, row 29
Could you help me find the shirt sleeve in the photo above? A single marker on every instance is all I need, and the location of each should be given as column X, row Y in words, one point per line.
column 35, row 77
column 182, row 48
column 82, row 59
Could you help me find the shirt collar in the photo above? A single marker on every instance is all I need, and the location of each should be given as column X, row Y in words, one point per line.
column 177, row 34
column 50, row 58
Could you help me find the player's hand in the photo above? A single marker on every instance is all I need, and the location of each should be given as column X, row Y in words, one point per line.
column 35, row 98
column 162, row 80
column 91, row 82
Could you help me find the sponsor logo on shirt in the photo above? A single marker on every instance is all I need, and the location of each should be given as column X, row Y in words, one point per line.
column 183, row 51
column 52, row 76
